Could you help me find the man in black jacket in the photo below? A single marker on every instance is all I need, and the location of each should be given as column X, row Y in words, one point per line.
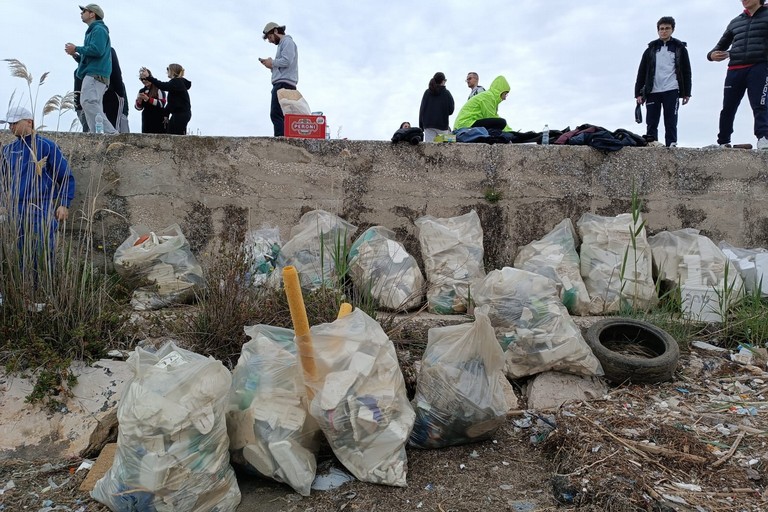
column 747, row 38
column 664, row 75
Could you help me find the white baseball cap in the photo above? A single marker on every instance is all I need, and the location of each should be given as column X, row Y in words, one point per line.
column 16, row 114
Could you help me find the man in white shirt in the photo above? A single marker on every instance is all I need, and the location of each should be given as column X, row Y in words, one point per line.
column 472, row 80
column 663, row 77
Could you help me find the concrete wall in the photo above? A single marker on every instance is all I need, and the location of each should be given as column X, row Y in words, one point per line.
column 223, row 186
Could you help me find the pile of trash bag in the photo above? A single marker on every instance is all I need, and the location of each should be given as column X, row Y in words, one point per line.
column 752, row 265
column 453, row 257
column 555, row 257
column 380, row 266
column 460, row 395
column 532, row 325
column 317, row 244
column 165, row 259
column 616, row 263
column 261, row 249
column 359, row 400
column 172, row 440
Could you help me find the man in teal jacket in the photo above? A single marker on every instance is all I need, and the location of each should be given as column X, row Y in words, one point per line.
column 94, row 66
column 483, row 109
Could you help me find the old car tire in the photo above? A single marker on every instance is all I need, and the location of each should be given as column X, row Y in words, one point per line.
column 620, row 366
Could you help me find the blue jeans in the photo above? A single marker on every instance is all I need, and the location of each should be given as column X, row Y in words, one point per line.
column 276, row 111
column 753, row 80
column 654, row 103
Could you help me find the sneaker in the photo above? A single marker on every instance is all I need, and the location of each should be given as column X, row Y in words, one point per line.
column 762, row 143
column 673, row 145
column 717, row 146
column 655, row 143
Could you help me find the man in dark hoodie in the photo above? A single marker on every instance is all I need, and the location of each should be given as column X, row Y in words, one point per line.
column 664, row 76
column 745, row 43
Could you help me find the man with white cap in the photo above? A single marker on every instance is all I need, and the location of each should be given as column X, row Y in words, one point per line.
column 37, row 185
column 285, row 70
column 94, row 65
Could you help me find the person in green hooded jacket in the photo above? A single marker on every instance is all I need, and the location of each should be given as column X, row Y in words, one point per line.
column 483, row 109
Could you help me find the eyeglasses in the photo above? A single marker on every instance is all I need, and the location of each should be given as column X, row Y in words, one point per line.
column 664, row 28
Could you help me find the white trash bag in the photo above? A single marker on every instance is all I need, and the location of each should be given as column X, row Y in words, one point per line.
column 532, row 325
column 460, row 394
column 262, row 249
column 752, row 265
column 616, row 274
column 452, row 249
column 380, row 265
column 172, row 446
column 270, row 430
column 555, row 257
column 317, row 243
column 359, row 398
column 165, row 259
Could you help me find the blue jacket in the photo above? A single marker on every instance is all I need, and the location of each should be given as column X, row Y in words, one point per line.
column 41, row 190
column 95, row 56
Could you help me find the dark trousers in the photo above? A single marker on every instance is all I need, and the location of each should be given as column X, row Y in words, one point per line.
column 276, row 111
column 491, row 122
column 177, row 124
column 753, row 80
column 668, row 100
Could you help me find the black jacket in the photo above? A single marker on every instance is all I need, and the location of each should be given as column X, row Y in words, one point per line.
column 435, row 109
column 747, row 38
column 178, row 95
column 647, row 68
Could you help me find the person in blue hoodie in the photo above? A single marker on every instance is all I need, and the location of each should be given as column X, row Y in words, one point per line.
column 37, row 186
column 94, row 60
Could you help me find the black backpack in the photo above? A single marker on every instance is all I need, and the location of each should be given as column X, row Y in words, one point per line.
column 411, row 135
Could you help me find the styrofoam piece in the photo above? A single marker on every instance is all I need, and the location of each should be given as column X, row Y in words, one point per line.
column 700, row 303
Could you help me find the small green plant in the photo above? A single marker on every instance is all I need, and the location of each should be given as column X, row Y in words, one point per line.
column 492, row 195
column 636, row 230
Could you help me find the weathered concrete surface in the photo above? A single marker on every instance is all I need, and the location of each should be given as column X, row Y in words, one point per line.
column 217, row 185
column 80, row 427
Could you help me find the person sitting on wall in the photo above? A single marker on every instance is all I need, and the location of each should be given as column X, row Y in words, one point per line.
column 482, row 110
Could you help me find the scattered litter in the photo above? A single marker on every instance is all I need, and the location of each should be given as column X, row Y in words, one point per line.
column 429, row 487
column 117, row 354
column 462, row 466
column 703, row 345
column 334, row 478
column 674, row 499
column 8, row 486
column 506, row 487
column 688, row 487
column 86, row 464
column 474, row 454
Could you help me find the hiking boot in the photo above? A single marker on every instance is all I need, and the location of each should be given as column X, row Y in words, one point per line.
column 762, row 143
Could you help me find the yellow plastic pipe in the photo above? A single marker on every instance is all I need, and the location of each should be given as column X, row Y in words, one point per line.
column 300, row 326
column 344, row 310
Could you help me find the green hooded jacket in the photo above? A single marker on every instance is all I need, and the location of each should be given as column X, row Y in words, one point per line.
column 483, row 106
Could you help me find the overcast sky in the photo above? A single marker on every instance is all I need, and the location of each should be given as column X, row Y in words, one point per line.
column 366, row 64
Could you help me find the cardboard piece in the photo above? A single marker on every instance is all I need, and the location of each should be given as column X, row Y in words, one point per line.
column 100, row 467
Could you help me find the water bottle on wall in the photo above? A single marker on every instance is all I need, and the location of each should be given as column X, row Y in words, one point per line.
column 99, row 124
column 545, row 135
